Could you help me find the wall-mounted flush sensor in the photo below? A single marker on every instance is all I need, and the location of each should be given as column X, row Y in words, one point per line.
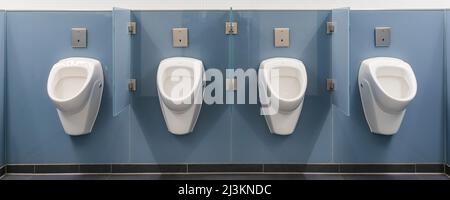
column 79, row 37
column 281, row 37
column 180, row 37
column 382, row 36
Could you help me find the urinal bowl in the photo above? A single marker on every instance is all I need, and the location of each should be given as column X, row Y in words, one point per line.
column 75, row 86
column 282, row 85
column 387, row 86
column 180, row 91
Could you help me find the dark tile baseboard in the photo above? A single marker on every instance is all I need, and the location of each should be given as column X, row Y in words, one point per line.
column 377, row 168
column 430, row 168
column 148, row 168
column 301, row 168
column 227, row 168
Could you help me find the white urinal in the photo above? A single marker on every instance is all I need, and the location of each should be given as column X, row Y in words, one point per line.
column 75, row 85
column 282, row 85
column 180, row 91
column 387, row 86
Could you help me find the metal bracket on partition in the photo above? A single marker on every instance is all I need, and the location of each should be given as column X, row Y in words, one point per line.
column 132, row 86
column 132, row 28
column 231, row 28
column 330, row 27
column 330, row 85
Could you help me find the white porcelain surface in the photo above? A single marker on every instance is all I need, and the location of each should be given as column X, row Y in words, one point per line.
column 283, row 80
column 180, row 109
column 75, row 85
column 386, row 85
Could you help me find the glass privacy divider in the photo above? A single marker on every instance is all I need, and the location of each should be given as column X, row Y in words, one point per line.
column 122, row 49
column 340, row 74
column 340, row 59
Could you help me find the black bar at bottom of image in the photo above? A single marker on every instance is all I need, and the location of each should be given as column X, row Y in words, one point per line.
column 224, row 189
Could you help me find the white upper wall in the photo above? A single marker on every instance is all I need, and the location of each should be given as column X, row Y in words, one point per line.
column 220, row 4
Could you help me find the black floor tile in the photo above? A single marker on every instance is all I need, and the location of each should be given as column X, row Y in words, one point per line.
column 145, row 168
column 57, row 169
column 377, row 168
column 327, row 168
column 430, row 168
column 97, row 168
column 20, row 169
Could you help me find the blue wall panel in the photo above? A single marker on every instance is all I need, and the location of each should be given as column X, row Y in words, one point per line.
column 36, row 41
column 2, row 87
column 421, row 136
column 311, row 142
column 224, row 133
column 150, row 140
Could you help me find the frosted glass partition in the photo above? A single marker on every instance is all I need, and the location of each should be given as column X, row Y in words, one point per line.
column 340, row 59
column 121, row 59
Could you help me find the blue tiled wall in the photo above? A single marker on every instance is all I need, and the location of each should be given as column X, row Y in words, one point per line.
column 224, row 133
column 150, row 141
column 2, row 87
column 36, row 41
column 311, row 141
column 420, row 138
